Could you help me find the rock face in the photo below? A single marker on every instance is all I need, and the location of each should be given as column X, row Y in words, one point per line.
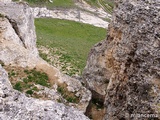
column 95, row 74
column 130, row 59
column 18, row 48
column 17, row 35
column 5, row 1
column 16, row 106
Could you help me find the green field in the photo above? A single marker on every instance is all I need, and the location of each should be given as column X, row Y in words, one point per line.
column 55, row 3
column 76, row 39
column 107, row 4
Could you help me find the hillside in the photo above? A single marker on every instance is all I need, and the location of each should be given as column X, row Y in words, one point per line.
column 68, row 43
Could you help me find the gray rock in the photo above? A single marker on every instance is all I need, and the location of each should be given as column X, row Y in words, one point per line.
column 95, row 74
column 130, row 59
column 18, row 48
column 17, row 36
column 16, row 106
column 73, row 86
column 5, row 1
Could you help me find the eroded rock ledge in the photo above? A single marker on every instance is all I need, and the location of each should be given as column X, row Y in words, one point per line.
column 16, row 106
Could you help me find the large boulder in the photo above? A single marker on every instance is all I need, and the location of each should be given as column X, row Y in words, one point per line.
column 130, row 60
column 16, row 106
column 17, row 35
column 134, row 48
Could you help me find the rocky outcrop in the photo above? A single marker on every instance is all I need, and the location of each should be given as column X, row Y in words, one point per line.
column 16, row 106
column 18, row 48
column 130, row 59
column 17, row 35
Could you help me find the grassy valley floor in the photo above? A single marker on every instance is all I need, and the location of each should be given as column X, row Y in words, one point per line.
column 70, row 41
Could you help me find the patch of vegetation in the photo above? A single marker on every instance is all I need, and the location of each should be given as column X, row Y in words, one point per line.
column 25, row 80
column 92, row 2
column 76, row 39
column 12, row 73
column 35, row 89
column 70, row 97
column 32, row 78
column 37, row 77
column 18, row 86
column 55, row 3
column 107, row 4
column 44, row 56
column 29, row 92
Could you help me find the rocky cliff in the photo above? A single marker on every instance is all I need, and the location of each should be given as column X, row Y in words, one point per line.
column 18, row 52
column 126, row 66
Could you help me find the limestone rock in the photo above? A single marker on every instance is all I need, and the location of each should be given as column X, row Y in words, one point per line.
column 73, row 85
column 18, row 48
column 16, row 106
column 17, row 35
column 5, row 1
column 95, row 74
column 130, row 59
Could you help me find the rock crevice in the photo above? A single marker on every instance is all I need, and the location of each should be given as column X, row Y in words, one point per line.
column 16, row 29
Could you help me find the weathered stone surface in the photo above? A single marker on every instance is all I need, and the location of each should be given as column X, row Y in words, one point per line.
column 134, row 47
column 16, row 106
column 95, row 74
column 72, row 85
column 5, row 1
column 18, row 48
column 131, row 58
column 17, row 35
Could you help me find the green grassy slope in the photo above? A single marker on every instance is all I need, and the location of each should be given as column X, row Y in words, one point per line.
column 73, row 37
column 55, row 3
column 107, row 4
